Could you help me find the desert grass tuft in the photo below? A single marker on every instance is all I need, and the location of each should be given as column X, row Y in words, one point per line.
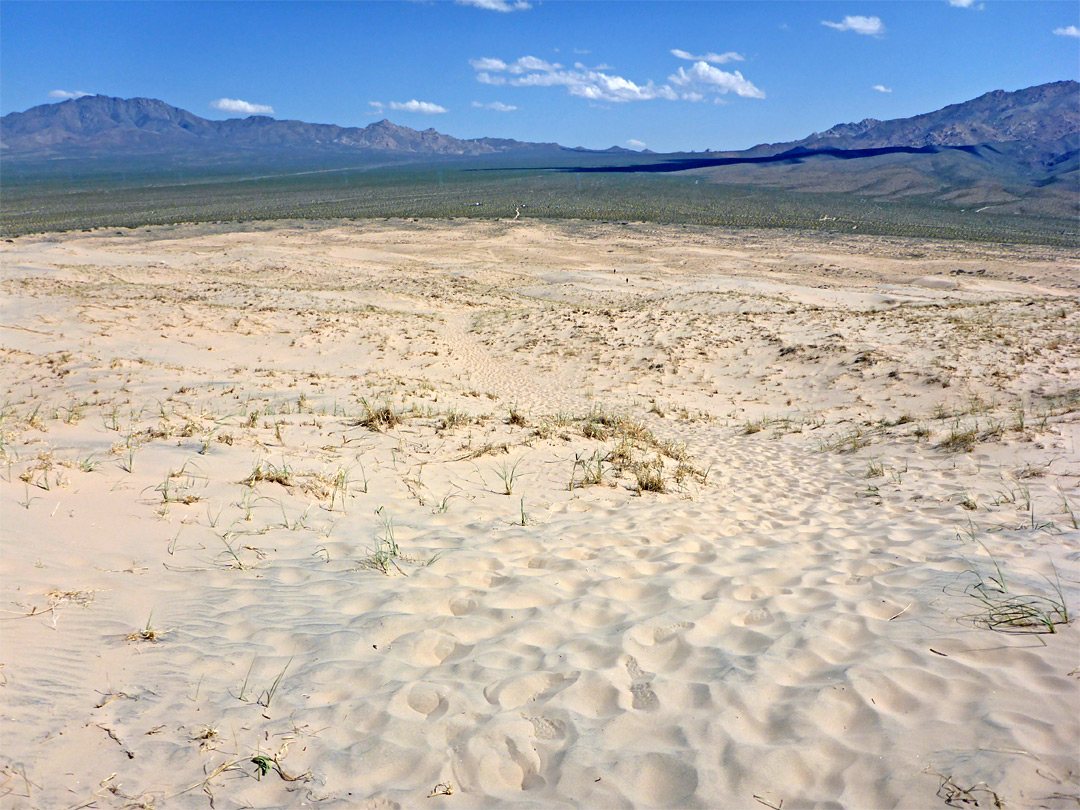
column 268, row 694
column 959, row 440
column 147, row 633
column 451, row 419
column 1008, row 611
column 650, row 476
column 379, row 417
column 508, row 474
column 268, row 472
column 752, row 426
column 592, row 470
column 386, row 553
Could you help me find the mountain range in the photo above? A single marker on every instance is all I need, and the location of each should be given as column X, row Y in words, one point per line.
column 1018, row 152
column 1046, row 112
column 97, row 125
column 102, row 124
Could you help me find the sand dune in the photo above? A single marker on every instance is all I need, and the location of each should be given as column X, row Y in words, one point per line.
column 524, row 514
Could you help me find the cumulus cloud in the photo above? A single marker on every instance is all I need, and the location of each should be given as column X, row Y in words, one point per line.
column 68, row 94
column 235, row 105
column 965, row 4
column 869, row 26
column 1069, row 31
column 715, row 58
column 882, row 88
column 722, row 81
column 598, row 85
column 496, row 5
column 413, row 106
column 497, row 106
column 634, row 143
column 588, row 83
column 527, row 63
column 601, row 87
column 488, row 64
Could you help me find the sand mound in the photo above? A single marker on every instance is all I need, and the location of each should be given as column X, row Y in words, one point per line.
column 490, row 514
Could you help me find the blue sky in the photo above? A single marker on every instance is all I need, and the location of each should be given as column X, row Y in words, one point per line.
column 668, row 75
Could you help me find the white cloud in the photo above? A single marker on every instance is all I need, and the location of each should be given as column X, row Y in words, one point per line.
column 703, row 73
column 496, row 5
column 587, row 83
column 634, row 143
column 235, row 105
column 882, row 88
column 596, row 84
column 715, row 58
column 414, row 106
column 68, row 94
column 527, row 63
column 497, row 106
column 1070, row 31
column 523, row 65
column 965, row 4
column 870, row 26
column 488, row 64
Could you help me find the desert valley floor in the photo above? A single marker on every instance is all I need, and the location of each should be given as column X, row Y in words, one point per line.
column 507, row 514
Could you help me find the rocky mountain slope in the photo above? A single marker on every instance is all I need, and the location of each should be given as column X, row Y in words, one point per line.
column 1046, row 112
column 102, row 124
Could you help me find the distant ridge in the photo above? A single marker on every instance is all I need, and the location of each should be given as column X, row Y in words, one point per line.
column 96, row 125
column 1015, row 153
column 100, row 125
column 1010, row 152
column 1046, row 112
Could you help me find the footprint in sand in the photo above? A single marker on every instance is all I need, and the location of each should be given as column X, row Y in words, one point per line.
column 644, row 697
column 546, row 728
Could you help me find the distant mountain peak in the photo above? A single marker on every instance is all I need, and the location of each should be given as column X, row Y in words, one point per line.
column 1045, row 112
column 94, row 125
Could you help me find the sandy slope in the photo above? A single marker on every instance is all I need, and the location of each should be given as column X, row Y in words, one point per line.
column 218, row 561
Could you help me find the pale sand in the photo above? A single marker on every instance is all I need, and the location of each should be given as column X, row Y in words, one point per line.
column 791, row 622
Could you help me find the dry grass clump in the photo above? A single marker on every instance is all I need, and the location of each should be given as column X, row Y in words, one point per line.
column 148, row 633
column 333, row 487
column 960, row 440
column 1007, row 610
column 379, row 417
column 595, row 430
column 386, row 556
column 39, row 471
column 630, row 441
column 268, row 472
column 592, row 471
column 486, row 449
column 650, row 476
column 452, row 419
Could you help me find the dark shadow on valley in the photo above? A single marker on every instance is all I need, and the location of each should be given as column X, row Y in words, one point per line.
column 791, row 157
